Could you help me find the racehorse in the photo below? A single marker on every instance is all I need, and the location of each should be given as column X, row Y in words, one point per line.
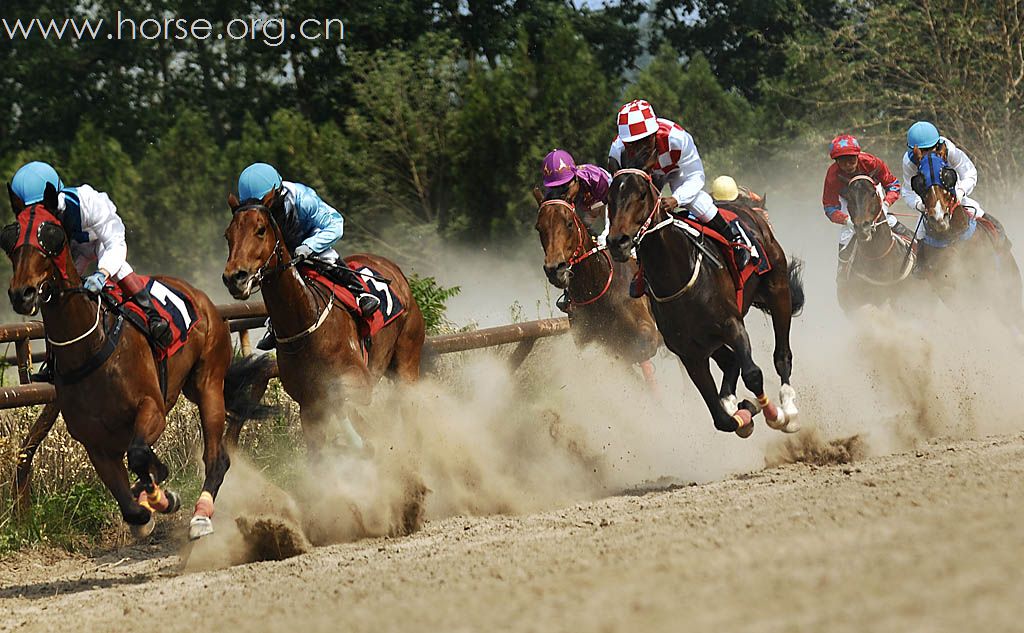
column 109, row 387
column 601, row 309
column 320, row 352
column 695, row 304
column 877, row 263
column 961, row 254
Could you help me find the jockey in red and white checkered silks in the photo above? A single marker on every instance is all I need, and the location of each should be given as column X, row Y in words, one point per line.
column 667, row 152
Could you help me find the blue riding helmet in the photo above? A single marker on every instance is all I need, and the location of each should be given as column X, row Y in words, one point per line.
column 30, row 181
column 922, row 134
column 257, row 180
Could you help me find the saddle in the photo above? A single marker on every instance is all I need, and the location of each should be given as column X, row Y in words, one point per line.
column 345, row 282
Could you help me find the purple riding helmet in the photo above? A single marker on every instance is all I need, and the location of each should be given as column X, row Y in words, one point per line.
column 559, row 168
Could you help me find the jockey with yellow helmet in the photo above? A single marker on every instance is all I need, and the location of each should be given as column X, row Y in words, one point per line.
column 667, row 152
column 96, row 234
column 309, row 226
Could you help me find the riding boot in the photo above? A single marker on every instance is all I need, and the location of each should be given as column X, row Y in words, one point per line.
column 562, row 302
column 732, row 231
column 269, row 340
column 368, row 303
column 159, row 329
column 901, row 229
column 45, row 373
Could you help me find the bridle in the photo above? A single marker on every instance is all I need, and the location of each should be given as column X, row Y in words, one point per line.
column 646, row 229
column 256, row 279
column 580, row 253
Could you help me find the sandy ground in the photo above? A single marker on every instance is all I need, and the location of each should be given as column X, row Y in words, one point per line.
column 928, row 540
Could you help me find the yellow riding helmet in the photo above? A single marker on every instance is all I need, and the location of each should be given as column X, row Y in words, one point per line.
column 724, row 189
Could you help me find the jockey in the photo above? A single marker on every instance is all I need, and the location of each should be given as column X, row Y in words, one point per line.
column 925, row 137
column 850, row 161
column 96, row 234
column 667, row 152
column 310, row 227
column 585, row 186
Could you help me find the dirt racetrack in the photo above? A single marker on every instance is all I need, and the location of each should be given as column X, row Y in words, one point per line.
column 928, row 540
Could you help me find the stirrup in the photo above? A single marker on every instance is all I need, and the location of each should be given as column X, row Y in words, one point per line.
column 160, row 330
column 45, row 373
column 562, row 302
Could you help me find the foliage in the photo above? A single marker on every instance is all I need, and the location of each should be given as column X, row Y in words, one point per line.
column 432, row 299
column 66, row 519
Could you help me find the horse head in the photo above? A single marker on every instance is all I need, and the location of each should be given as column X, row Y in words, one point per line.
column 863, row 196
column 632, row 203
column 37, row 245
column 562, row 233
column 254, row 242
column 935, row 182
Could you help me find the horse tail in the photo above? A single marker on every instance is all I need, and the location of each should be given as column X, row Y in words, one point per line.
column 244, row 385
column 796, row 284
column 796, row 289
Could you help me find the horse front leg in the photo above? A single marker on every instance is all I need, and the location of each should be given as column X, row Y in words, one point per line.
column 150, row 471
column 215, row 458
column 725, row 358
column 753, row 377
column 740, row 422
column 112, row 472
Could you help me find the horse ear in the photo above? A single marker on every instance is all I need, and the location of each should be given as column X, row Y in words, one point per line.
column 874, row 174
column 918, row 154
column 16, row 202
column 538, row 195
column 942, row 151
column 233, row 202
column 50, row 198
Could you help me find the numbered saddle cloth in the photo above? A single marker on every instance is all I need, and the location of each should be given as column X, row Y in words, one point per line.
column 390, row 305
column 172, row 304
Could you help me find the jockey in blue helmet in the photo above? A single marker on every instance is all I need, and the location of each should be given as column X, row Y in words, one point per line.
column 96, row 235
column 924, row 136
column 310, row 226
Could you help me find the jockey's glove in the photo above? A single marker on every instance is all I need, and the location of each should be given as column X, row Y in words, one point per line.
column 960, row 194
column 303, row 251
column 94, row 282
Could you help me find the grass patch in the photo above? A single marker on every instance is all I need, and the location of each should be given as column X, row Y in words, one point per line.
column 71, row 519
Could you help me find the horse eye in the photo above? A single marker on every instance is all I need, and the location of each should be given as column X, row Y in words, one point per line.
column 260, row 232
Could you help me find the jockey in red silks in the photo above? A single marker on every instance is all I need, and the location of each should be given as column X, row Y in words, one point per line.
column 667, row 152
column 850, row 161
column 586, row 187
column 96, row 234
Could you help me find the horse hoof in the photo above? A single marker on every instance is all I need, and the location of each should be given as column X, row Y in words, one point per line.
column 745, row 423
column 199, row 527
column 140, row 532
column 173, row 502
column 730, row 404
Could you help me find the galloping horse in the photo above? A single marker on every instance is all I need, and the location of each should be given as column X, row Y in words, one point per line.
column 877, row 263
column 108, row 384
column 695, row 304
column 320, row 353
column 961, row 254
column 601, row 309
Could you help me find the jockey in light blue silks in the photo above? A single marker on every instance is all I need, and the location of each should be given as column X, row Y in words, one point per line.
column 925, row 137
column 309, row 227
column 96, row 234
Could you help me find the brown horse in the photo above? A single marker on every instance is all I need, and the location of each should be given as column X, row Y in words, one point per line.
column 319, row 351
column 876, row 265
column 107, row 381
column 695, row 303
column 600, row 308
column 967, row 260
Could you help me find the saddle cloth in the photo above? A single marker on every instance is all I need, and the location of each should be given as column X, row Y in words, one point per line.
column 172, row 304
column 390, row 305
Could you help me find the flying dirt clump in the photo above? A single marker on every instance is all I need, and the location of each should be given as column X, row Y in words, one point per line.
column 271, row 538
column 810, row 447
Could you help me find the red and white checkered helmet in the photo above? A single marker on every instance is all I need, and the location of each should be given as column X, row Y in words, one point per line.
column 636, row 121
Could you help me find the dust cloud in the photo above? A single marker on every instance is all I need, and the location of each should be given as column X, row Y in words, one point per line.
column 572, row 425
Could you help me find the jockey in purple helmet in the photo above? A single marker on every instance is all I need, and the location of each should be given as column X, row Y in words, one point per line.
column 586, row 187
column 310, row 227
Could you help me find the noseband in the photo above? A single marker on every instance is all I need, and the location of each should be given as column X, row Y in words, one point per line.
column 265, row 269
